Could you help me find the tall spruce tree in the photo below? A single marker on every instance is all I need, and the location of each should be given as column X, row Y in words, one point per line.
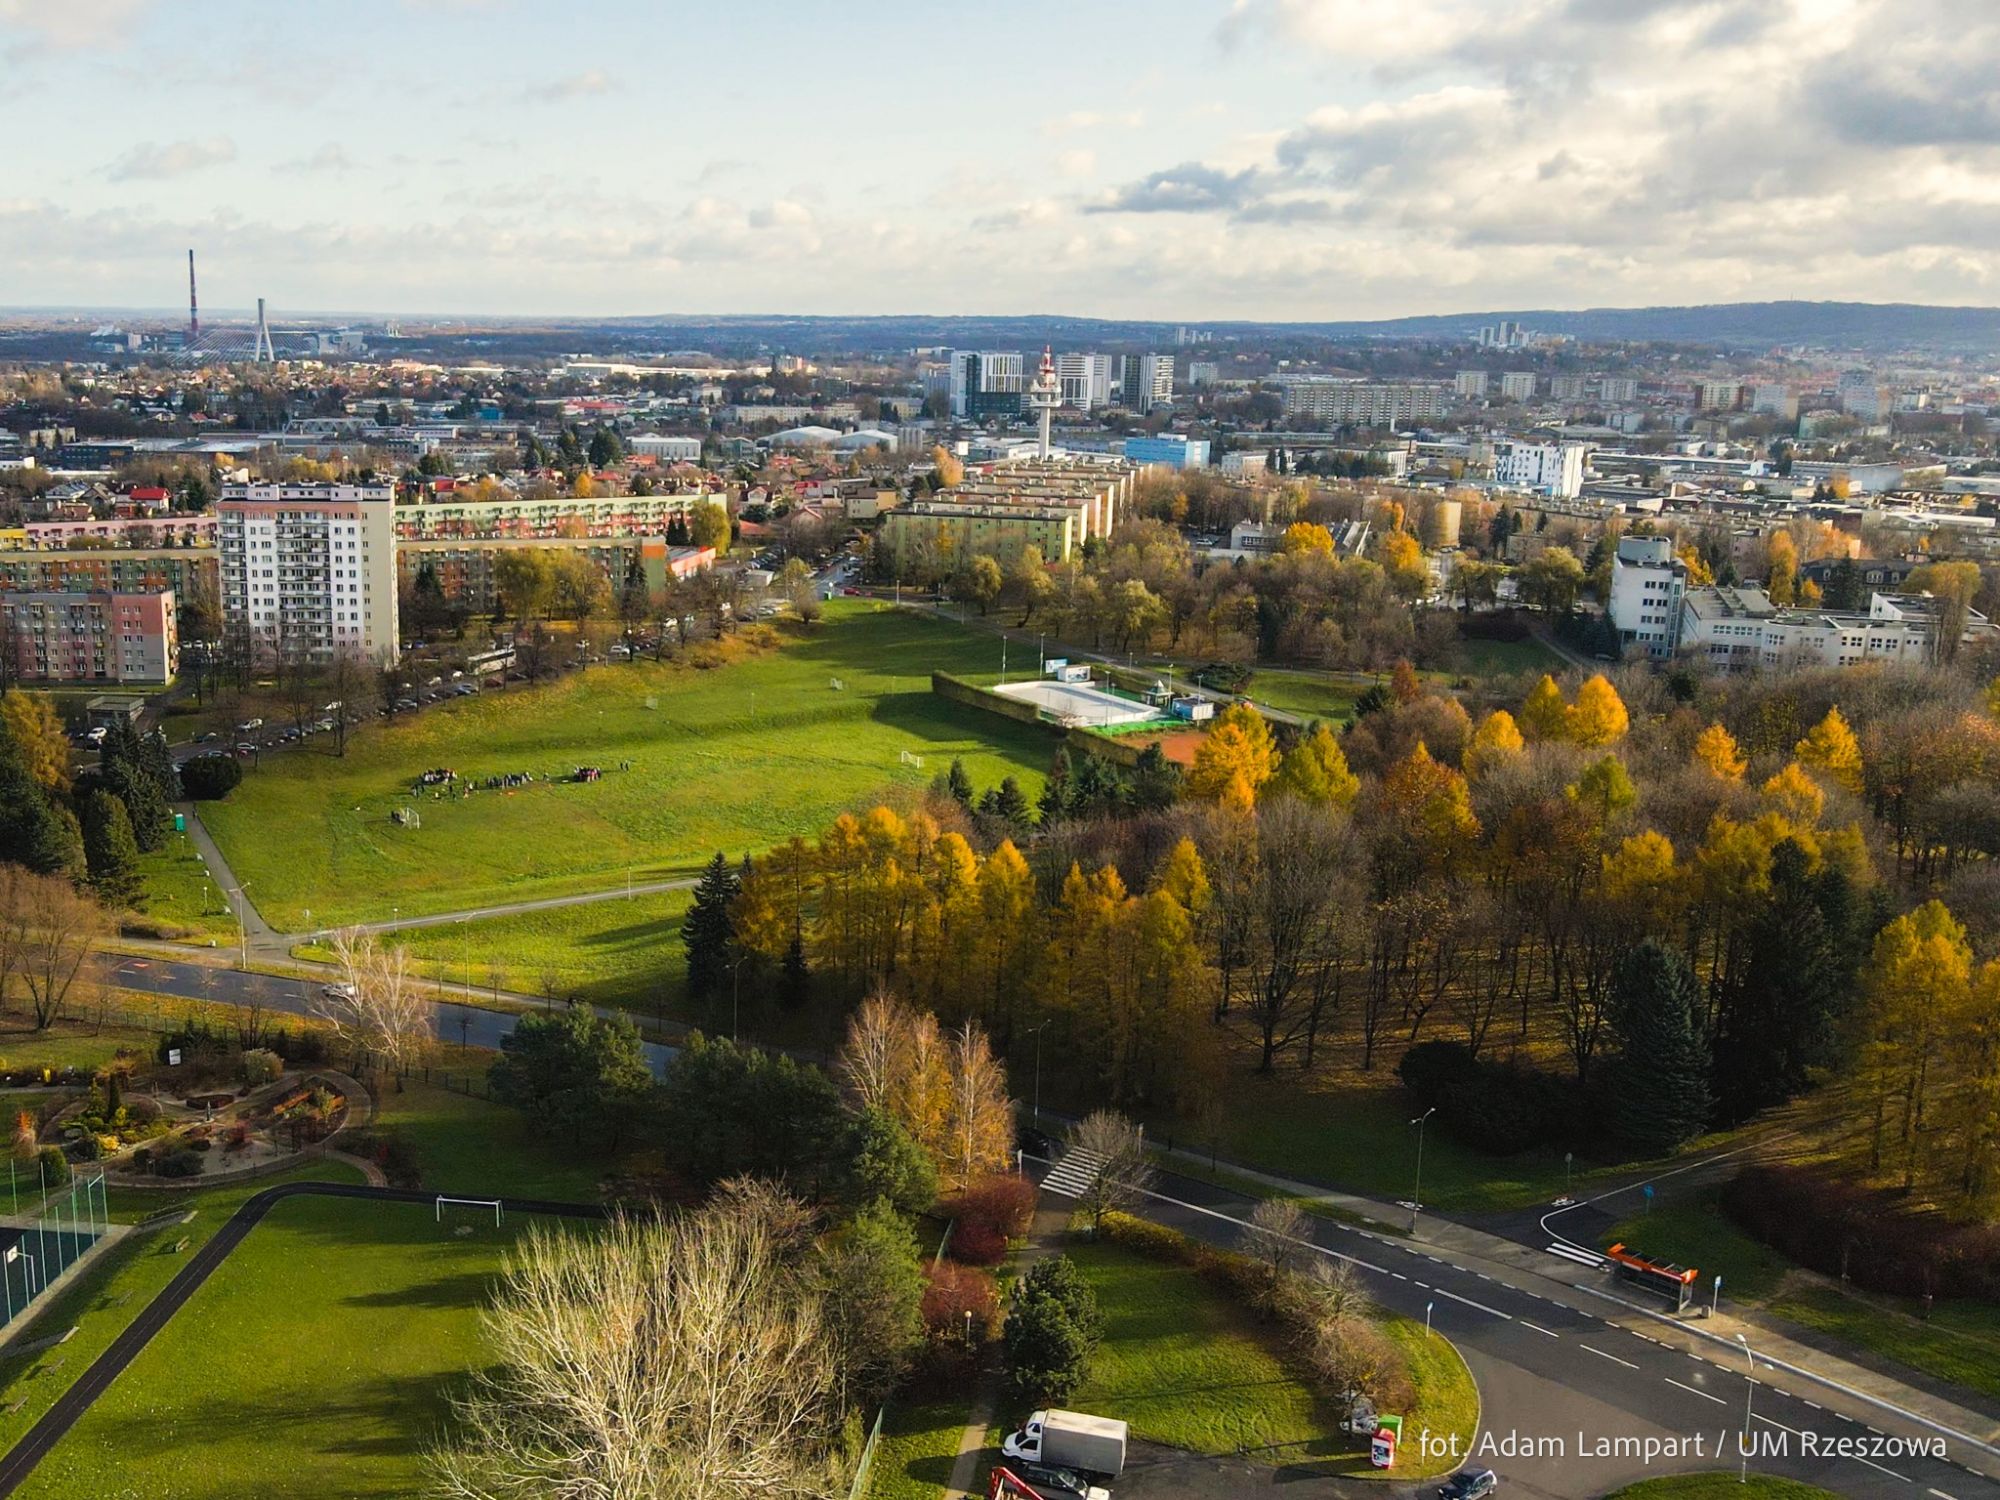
column 33, row 832
column 706, row 930
column 1779, row 1021
column 1659, row 1079
column 110, row 852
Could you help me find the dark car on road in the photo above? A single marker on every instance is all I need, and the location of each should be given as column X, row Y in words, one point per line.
column 1469, row 1484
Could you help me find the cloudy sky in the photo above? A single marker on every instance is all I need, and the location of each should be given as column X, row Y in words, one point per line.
column 1172, row 159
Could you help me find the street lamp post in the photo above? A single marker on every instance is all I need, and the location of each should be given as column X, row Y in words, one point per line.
column 1417, row 1195
column 240, row 892
column 1038, row 1071
column 1749, row 1395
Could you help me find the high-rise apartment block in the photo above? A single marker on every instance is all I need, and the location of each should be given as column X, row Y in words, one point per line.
column 986, row 383
column 1085, row 379
column 311, row 568
column 90, row 638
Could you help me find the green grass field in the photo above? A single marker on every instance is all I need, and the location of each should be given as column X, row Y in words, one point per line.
column 180, row 893
column 1187, row 1367
column 1720, row 1486
column 471, row 1146
column 625, row 953
column 314, row 1362
column 1318, row 695
column 1960, row 1342
column 735, row 758
column 110, row 1292
column 1695, row 1232
column 1506, row 658
column 919, row 1445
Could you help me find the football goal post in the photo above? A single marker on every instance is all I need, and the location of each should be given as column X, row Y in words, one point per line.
column 492, row 1203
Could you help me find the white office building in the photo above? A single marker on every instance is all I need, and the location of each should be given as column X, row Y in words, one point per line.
column 986, row 382
column 1648, row 584
column 1552, row 469
column 1085, row 380
column 1517, row 385
column 666, row 449
column 1146, row 381
column 1470, row 384
column 310, row 568
column 1740, row 629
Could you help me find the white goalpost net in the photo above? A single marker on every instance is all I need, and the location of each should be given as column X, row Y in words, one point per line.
column 478, row 1203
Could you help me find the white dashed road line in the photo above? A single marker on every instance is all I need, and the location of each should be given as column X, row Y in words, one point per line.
column 1693, row 1392
column 1612, row 1357
column 1537, row 1327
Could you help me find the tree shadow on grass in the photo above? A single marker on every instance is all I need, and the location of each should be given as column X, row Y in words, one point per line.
column 461, row 1289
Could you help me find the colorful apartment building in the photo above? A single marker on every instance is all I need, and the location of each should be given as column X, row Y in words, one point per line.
column 90, row 638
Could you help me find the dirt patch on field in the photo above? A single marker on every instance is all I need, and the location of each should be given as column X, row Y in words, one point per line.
column 1177, row 745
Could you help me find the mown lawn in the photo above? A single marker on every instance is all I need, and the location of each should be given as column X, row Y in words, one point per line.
column 1695, row 1232
column 1720, row 1486
column 181, row 894
column 1316, row 694
column 625, row 953
column 919, row 1445
column 1185, row 1366
column 110, row 1292
column 734, row 758
column 1960, row 1342
column 315, row 1362
column 472, row 1147
column 1506, row 658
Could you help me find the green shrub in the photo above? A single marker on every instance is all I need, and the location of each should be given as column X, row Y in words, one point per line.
column 54, row 1166
column 209, row 778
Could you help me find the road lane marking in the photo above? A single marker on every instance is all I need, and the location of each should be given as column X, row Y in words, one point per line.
column 1612, row 1357
column 1693, row 1392
column 1480, row 1305
column 1873, row 1465
column 1941, row 1495
column 1537, row 1327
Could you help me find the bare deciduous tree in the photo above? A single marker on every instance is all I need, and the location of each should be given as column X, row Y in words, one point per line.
column 376, row 1006
column 648, row 1358
column 1120, row 1175
column 1275, row 1236
column 48, row 929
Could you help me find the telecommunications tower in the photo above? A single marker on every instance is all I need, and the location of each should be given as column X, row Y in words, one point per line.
column 194, row 312
column 1044, row 396
column 262, row 352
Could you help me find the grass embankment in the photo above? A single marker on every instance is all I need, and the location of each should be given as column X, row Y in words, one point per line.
column 327, row 1342
column 1478, row 658
column 182, row 899
column 1694, row 1231
column 1959, row 1342
column 1188, row 1366
column 1720, row 1487
column 734, row 758
column 481, row 1149
column 619, row 952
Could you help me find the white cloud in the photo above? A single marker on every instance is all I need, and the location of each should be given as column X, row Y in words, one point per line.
column 1078, row 161
column 330, row 157
column 66, row 25
column 575, row 86
column 174, row 159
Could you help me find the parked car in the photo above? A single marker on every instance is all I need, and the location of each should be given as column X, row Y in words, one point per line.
column 464, row 690
column 246, row 748
column 96, row 736
column 250, row 726
column 1052, row 1482
column 1469, row 1484
column 208, row 738
column 339, row 992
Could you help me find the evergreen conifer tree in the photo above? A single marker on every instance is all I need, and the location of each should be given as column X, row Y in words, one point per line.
column 706, row 930
column 1660, row 1096
column 110, row 851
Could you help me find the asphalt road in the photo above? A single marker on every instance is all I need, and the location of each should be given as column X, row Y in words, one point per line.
column 21, row 1459
column 1585, row 1388
column 469, row 1025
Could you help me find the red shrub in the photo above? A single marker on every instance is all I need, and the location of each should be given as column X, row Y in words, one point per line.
column 950, row 1292
column 1002, row 1202
column 978, row 1243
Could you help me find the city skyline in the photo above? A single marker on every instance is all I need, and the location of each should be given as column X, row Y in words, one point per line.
column 1195, row 159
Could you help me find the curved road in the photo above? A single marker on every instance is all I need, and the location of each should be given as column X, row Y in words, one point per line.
column 21, row 1459
column 1570, row 1367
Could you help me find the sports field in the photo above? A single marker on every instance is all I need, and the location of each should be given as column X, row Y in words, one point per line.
column 736, row 757
column 314, row 1362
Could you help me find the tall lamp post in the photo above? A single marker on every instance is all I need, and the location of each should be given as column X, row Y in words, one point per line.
column 242, row 925
column 1749, row 1395
column 1417, row 1195
column 1038, row 1030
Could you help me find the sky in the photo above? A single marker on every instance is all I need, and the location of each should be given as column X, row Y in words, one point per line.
column 1178, row 160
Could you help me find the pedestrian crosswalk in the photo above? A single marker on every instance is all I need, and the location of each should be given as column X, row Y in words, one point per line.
column 1074, row 1174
